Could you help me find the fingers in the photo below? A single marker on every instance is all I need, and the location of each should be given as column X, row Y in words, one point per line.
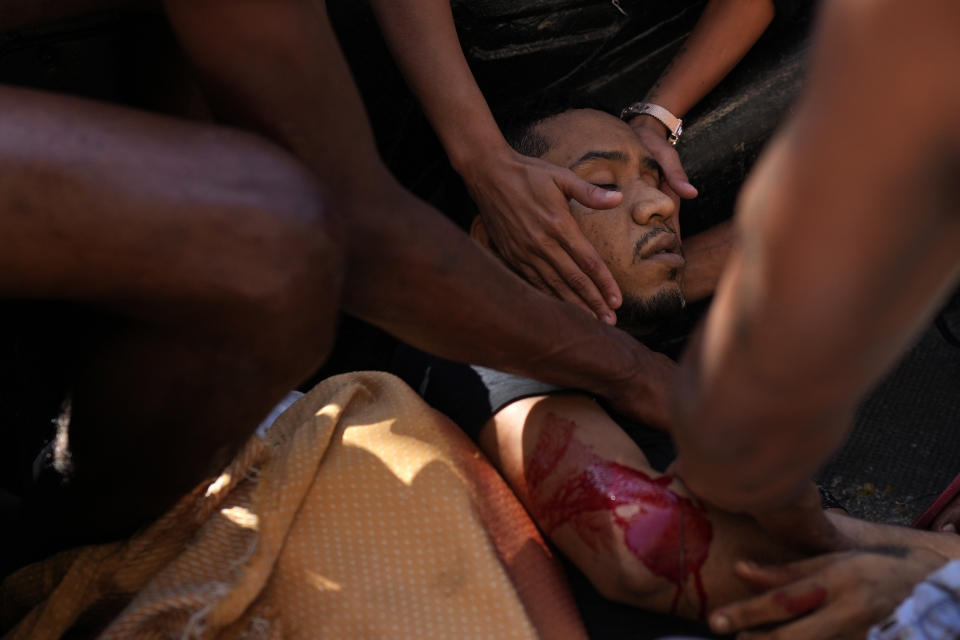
column 763, row 578
column 778, row 605
column 948, row 519
column 832, row 623
column 530, row 275
column 665, row 154
column 586, row 261
column 547, row 280
column 559, row 274
column 536, row 234
column 589, row 195
column 673, row 171
column 769, row 577
column 599, row 287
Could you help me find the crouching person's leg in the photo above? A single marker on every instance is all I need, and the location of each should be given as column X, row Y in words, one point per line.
column 214, row 268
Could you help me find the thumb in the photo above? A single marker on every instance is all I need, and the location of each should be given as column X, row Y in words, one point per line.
column 771, row 576
column 589, row 195
column 763, row 577
column 950, row 516
column 676, row 177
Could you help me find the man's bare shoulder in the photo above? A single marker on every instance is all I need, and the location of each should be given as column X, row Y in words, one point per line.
column 16, row 14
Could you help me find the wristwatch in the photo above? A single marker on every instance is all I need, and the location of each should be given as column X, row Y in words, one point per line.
column 673, row 124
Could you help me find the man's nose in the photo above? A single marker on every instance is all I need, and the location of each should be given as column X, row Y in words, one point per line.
column 652, row 203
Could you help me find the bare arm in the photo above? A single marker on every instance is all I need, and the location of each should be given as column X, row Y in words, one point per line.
column 422, row 36
column 410, row 271
column 838, row 594
column 523, row 200
column 706, row 253
column 849, row 240
column 634, row 532
column 723, row 35
column 637, row 534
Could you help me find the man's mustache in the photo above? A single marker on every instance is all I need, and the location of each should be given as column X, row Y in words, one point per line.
column 646, row 238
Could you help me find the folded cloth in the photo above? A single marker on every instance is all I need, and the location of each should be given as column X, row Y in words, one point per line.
column 361, row 513
column 932, row 612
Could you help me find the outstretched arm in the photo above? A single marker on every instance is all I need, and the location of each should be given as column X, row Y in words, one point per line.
column 642, row 539
column 275, row 65
column 637, row 534
column 723, row 35
column 849, row 240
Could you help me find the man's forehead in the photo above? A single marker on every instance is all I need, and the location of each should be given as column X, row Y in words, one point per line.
column 581, row 135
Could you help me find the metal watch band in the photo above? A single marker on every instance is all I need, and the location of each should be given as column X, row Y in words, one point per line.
column 673, row 124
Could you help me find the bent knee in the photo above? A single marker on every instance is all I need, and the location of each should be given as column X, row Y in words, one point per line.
column 303, row 250
column 280, row 243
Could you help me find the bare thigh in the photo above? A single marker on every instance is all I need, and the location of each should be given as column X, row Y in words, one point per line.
column 213, row 263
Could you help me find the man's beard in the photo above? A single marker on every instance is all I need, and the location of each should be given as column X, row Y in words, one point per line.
column 641, row 316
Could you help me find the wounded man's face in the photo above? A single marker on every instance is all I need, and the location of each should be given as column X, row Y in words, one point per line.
column 639, row 240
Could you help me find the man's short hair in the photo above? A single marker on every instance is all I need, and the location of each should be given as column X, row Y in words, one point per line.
column 641, row 317
column 519, row 122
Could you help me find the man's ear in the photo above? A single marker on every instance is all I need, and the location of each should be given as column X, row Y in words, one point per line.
column 478, row 231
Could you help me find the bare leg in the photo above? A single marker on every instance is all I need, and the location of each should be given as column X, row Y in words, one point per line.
column 218, row 268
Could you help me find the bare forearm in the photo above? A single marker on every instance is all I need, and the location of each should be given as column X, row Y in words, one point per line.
column 872, row 534
column 422, row 279
column 706, row 255
column 422, row 36
column 832, row 279
column 274, row 66
column 725, row 32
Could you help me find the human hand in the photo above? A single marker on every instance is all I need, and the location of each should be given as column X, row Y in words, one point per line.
column 948, row 520
column 653, row 135
column 524, row 205
column 836, row 596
